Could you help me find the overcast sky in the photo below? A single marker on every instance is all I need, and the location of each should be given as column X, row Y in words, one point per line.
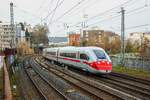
column 35, row 11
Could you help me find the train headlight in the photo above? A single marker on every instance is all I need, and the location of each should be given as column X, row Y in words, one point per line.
column 91, row 64
column 99, row 62
column 108, row 63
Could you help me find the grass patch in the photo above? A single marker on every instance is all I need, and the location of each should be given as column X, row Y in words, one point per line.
column 132, row 71
column 14, row 82
column 1, row 83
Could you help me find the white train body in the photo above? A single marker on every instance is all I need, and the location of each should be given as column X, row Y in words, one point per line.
column 91, row 59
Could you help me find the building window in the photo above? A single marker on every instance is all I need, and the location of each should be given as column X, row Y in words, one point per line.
column 131, row 34
column 86, row 35
column 17, row 40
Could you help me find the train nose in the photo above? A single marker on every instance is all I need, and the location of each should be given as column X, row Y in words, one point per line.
column 103, row 65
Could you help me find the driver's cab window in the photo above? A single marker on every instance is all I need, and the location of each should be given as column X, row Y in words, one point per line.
column 84, row 56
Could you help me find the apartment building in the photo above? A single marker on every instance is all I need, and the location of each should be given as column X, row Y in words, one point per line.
column 139, row 37
column 6, row 35
column 74, row 39
column 20, row 34
column 99, row 38
column 1, row 37
column 23, row 33
column 92, row 37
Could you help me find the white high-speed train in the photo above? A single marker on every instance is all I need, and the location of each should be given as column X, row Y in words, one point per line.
column 91, row 59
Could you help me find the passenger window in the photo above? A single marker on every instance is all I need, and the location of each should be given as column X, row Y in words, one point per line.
column 84, row 57
column 70, row 55
column 52, row 53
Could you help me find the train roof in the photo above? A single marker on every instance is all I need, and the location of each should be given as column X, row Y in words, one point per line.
column 74, row 48
column 91, row 48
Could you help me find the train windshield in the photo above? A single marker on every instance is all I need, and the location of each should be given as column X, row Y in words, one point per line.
column 100, row 54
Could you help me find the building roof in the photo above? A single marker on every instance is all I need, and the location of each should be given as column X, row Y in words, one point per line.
column 57, row 39
column 5, row 23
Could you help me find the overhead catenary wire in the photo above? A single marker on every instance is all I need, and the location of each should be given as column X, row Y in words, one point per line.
column 136, row 9
column 40, row 7
column 54, row 12
column 31, row 14
column 51, row 12
column 137, row 26
column 107, row 11
column 87, row 5
column 93, row 23
column 27, row 12
column 127, row 28
column 96, row 22
column 57, row 5
column 68, row 11
column 128, row 12
column 101, row 14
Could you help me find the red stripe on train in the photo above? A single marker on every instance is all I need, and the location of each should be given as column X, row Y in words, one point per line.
column 74, row 60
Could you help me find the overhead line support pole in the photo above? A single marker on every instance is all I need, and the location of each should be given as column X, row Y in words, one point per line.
column 122, row 35
column 12, row 26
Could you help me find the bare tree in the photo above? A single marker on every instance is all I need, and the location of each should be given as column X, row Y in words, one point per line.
column 39, row 34
column 145, row 48
column 23, row 48
column 115, row 46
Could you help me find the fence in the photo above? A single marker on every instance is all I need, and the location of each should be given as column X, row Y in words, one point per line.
column 133, row 62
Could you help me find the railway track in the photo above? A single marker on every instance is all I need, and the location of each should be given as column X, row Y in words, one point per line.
column 25, row 66
column 68, row 93
column 92, row 90
column 101, row 90
column 29, row 92
column 139, row 90
column 139, row 80
column 127, row 87
column 44, row 88
column 127, row 84
column 140, row 87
